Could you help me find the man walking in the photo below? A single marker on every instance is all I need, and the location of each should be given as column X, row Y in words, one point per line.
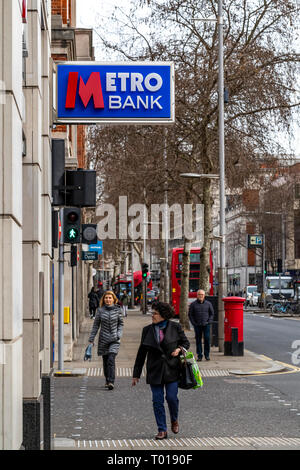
column 201, row 314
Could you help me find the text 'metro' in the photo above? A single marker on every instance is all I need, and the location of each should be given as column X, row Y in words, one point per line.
column 89, row 92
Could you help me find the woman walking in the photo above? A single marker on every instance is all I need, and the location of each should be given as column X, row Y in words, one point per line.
column 161, row 343
column 109, row 317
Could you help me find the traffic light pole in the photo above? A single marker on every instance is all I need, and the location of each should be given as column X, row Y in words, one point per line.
column 61, row 295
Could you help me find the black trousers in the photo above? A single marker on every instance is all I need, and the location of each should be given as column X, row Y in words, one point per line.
column 109, row 367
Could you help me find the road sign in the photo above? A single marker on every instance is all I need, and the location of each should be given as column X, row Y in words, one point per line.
column 89, row 255
column 255, row 241
column 116, row 92
column 97, row 247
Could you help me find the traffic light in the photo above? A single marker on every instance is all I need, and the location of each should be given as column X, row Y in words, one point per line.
column 89, row 234
column 74, row 255
column 71, row 225
column 144, row 270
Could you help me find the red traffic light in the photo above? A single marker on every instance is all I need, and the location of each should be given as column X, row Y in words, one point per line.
column 72, row 217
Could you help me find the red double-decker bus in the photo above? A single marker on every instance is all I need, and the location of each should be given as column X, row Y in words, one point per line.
column 175, row 276
column 123, row 282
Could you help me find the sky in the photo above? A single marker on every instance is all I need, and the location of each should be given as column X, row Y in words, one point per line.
column 91, row 13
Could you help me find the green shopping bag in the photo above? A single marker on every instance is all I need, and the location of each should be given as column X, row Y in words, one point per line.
column 189, row 357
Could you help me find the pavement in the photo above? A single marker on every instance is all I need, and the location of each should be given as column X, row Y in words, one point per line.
column 248, row 364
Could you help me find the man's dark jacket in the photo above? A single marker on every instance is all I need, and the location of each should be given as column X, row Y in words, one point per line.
column 201, row 314
column 161, row 366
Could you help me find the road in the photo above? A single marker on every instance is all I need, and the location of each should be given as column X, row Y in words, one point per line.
column 279, row 339
column 273, row 337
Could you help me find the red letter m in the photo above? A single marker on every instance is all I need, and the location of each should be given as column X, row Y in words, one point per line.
column 86, row 91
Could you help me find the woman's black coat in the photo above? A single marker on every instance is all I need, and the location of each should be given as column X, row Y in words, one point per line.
column 161, row 366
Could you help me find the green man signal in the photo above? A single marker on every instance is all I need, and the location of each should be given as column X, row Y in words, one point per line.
column 71, row 225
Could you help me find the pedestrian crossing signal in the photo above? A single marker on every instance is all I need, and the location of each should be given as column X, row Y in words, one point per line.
column 71, row 225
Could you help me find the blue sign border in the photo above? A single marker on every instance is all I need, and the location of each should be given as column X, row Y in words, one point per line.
column 164, row 96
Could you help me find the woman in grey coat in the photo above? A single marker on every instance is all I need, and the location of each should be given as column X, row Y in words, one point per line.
column 109, row 317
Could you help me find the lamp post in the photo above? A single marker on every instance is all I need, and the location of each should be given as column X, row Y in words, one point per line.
column 222, row 233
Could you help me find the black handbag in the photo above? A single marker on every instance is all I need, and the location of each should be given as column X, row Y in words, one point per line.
column 186, row 379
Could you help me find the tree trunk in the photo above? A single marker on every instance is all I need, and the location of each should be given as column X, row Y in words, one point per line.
column 205, row 250
column 185, row 282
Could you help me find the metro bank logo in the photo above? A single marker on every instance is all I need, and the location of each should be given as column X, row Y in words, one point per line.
column 122, row 93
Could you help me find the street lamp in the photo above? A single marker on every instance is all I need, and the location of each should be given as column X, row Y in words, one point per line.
column 199, row 175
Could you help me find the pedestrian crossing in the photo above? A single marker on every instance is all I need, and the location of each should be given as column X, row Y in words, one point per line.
column 128, row 371
column 190, row 443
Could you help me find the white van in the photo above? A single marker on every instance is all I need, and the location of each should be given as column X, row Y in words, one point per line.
column 251, row 295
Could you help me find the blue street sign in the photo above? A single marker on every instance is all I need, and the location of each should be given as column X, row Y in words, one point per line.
column 115, row 92
column 97, row 247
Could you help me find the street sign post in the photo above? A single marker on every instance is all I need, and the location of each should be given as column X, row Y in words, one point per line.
column 116, row 92
column 258, row 241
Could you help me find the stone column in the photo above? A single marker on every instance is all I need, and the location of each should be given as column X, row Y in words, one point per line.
column 11, row 328
column 34, row 206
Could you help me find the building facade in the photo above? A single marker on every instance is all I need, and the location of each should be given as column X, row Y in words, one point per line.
column 33, row 34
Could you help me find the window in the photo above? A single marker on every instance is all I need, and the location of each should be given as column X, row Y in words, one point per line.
column 194, row 257
column 193, row 286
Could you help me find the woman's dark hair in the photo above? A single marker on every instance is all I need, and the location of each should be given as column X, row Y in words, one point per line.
column 165, row 310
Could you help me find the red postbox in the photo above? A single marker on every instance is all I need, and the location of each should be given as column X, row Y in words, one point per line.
column 233, row 326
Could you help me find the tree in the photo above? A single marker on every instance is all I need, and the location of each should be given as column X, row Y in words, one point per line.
column 259, row 63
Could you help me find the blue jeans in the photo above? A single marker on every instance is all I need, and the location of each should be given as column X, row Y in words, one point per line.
column 205, row 331
column 158, row 403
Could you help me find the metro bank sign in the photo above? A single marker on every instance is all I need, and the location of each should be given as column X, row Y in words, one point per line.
column 134, row 92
